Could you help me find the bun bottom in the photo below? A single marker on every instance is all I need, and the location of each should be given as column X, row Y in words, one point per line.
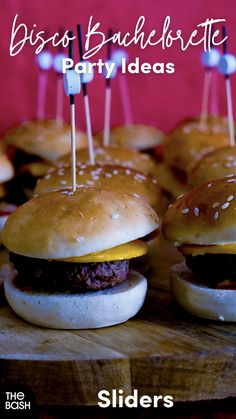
column 199, row 300
column 89, row 310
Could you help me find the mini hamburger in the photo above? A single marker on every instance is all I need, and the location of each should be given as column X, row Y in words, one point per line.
column 6, row 174
column 139, row 137
column 215, row 165
column 105, row 177
column 71, row 252
column 34, row 146
column 201, row 224
column 125, row 157
column 189, row 142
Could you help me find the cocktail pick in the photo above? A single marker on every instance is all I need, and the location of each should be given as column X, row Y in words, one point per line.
column 210, row 59
column 72, row 86
column 117, row 57
column 57, row 65
column 44, row 61
column 86, row 78
column 227, row 66
column 107, row 116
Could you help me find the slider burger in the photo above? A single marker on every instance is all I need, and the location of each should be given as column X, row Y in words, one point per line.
column 190, row 142
column 71, row 252
column 218, row 164
column 138, row 136
column 34, row 146
column 6, row 174
column 201, row 224
column 105, row 177
column 125, row 157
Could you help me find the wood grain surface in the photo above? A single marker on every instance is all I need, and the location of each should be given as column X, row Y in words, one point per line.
column 163, row 350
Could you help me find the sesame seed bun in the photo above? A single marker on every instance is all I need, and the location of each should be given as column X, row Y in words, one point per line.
column 218, row 164
column 47, row 139
column 6, row 168
column 61, row 224
column 116, row 156
column 206, row 215
column 104, row 177
column 79, row 311
column 139, row 137
column 189, row 142
column 199, row 300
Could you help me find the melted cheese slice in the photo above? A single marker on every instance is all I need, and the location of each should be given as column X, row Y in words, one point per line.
column 37, row 169
column 125, row 251
column 2, row 191
column 196, row 250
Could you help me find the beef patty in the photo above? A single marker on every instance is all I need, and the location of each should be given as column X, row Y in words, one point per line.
column 210, row 269
column 58, row 276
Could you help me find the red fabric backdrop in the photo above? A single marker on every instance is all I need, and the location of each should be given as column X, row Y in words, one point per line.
column 161, row 100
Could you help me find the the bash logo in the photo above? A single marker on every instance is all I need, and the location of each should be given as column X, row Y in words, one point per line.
column 16, row 401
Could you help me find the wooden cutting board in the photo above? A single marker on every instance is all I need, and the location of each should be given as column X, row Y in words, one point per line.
column 161, row 351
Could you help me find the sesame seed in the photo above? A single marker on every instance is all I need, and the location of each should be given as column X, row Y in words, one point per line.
column 108, row 175
column 225, row 205
column 215, row 205
column 80, row 239
column 216, row 215
column 221, row 318
column 136, row 195
column 81, row 172
column 230, row 198
column 47, row 177
column 185, row 211
column 180, row 196
column 115, row 172
column 154, row 181
column 63, row 182
column 114, row 216
column 209, row 185
column 196, row 211
column 90, row 182
column 127, row 171
column 36, row 195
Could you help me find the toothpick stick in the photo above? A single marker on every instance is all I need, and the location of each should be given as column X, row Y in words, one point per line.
column 230, row 112
column 86, row 102
column 205, row 98
column 107, row 116
column 42, row 87
column 214, row 95
column 59, row 99
column 72, row 120
column 44, row 61
column 125, row 98
column 228, row 68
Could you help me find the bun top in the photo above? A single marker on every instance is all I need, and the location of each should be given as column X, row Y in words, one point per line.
column 125, row 157
column 139, row 137
column 206, row 215
column 218, row 164
column 104, row 177
column 64, row 224
column 6, row 168
column 45, row 138
column 188, row 143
